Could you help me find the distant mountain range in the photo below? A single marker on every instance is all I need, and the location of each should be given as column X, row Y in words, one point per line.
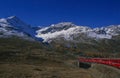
column 65, row 37
column 70, row 31
column 13, row 26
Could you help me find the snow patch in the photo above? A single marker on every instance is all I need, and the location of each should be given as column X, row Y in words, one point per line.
column 99, row 36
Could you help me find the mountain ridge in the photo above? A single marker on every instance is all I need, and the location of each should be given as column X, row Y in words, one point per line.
column 66, row 30
column 69, row 29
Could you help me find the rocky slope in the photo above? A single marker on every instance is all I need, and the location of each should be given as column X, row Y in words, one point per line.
column 13, row 26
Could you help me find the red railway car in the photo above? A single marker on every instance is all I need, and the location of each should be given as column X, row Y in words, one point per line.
column 115, row 62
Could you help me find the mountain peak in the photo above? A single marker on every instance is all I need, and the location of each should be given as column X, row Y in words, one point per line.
column 13, row 24
column 8, row 18
column 63, row 24
column 12, row 17
column 14, row 21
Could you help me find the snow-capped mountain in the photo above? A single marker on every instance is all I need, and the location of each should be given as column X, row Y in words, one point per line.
column 65, row 29
column 70, row 31
column 13, row 26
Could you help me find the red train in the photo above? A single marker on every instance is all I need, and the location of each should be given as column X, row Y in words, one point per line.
column 115, row 62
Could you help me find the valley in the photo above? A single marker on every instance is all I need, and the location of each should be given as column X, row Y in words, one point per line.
column 53, row 51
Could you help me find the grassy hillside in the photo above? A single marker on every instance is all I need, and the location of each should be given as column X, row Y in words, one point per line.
column 31, row 59
column 109, row 48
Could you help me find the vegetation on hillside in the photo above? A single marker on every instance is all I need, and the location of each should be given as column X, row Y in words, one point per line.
column 109, row 48
column 31, row 59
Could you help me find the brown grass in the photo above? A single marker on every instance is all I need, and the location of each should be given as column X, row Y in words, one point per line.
column 56, row 71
